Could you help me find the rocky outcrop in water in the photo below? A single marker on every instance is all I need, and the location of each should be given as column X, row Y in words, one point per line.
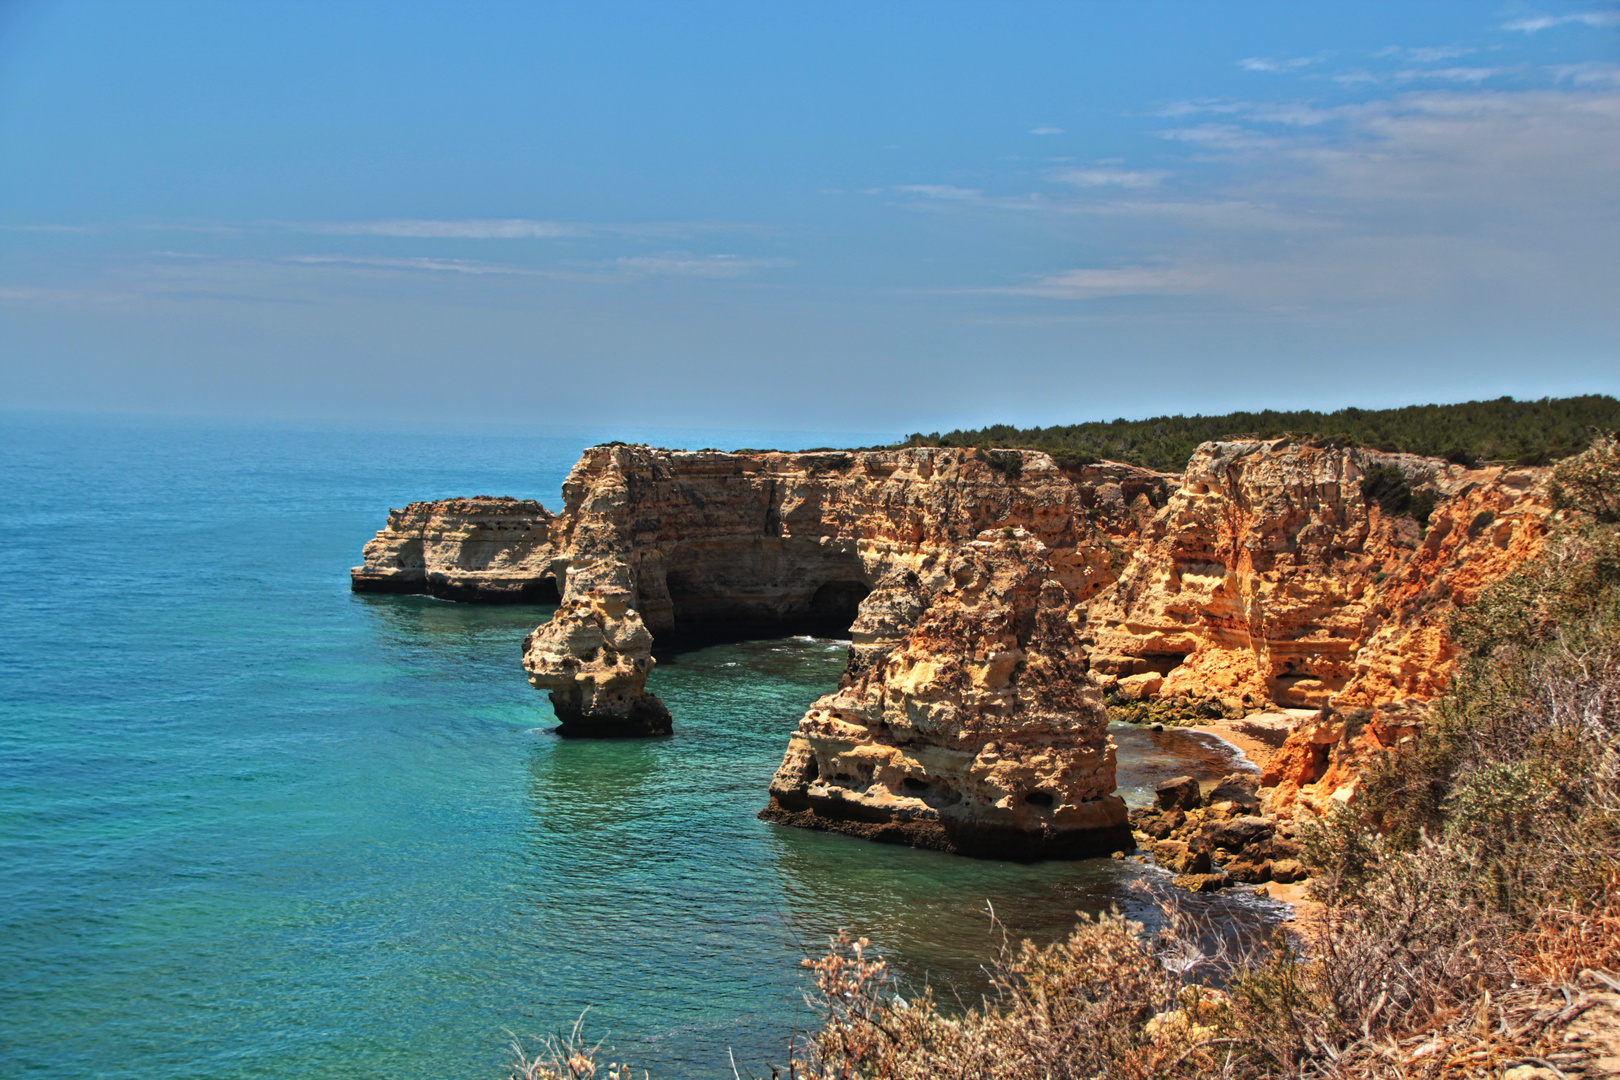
column 973, row 728
column 593, row 657
column 965, row 720
column 484, row 549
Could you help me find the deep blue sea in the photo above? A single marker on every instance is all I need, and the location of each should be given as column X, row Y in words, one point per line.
column 253, row 825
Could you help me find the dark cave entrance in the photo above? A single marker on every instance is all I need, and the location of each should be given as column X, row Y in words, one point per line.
column 834, row 607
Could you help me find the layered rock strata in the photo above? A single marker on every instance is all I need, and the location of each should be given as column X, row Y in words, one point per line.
column 1270, row 578
column 710, row 542
column 965, row 721
column 484, row 549
column 593, row 657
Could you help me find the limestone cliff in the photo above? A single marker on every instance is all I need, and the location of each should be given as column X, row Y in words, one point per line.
column 989, row 597
column 1271, row 578
column 965, row 722
column 490, row 550
column 710, row 542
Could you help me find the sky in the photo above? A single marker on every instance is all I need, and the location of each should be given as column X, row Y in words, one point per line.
column 864, row 216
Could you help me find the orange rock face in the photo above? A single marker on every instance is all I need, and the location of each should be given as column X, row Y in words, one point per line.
column 966, row 721
column 1269, row 578
column 715, row 542
column 976, row 731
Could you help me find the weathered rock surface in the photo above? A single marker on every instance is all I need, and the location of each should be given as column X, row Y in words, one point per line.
column 965, row 720
column 1270, row 579
column 484, row 549
column 978, row 733
column 710, row 542
column 593, row 657
column 1179, row 793
column 1222, row 841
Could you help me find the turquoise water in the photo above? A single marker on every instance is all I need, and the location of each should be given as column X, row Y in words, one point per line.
column 253, row 825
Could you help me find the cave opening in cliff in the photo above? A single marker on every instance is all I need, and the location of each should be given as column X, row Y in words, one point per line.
column 834, row 607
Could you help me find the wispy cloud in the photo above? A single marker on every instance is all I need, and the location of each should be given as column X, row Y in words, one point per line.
column 1277, row 65
column 1222, row 137
column 937, row 191
column 1427, row 55
column 1046, row 131
column 1125, row 178
column 426, row 228
column 1295, row 113
column 459, row 229
column 1097, row 283
column 1201, row 105
column 1591, row 73
column 1537, row 23
column 446, row 266
column 1461, row 196
column 1474, row 75
column 679, row 264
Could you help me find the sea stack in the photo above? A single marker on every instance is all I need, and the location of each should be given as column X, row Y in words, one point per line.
column 594, row 656
column 998, row 603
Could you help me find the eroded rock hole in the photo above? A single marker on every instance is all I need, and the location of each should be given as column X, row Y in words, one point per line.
column 1164, row 663
column 1042, row 799
column 835, row 605
column 916, row 786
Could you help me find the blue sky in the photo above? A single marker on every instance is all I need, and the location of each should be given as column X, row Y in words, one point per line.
column 862, row 216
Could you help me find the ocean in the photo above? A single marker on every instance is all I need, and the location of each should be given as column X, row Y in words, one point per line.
column 254, row 825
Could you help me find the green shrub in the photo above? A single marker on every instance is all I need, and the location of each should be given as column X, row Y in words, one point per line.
column 1590, row 483
column 1009, row 463
column 1386, row 486
column 1545, row 430
column 1422, row 505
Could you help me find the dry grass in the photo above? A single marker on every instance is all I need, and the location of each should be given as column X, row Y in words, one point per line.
column 565, row 1057
column 1565, row 941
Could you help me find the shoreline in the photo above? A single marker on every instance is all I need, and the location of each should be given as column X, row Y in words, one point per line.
column 1258, row 753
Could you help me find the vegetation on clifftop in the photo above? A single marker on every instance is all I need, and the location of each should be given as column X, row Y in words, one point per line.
column 1527, row 432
